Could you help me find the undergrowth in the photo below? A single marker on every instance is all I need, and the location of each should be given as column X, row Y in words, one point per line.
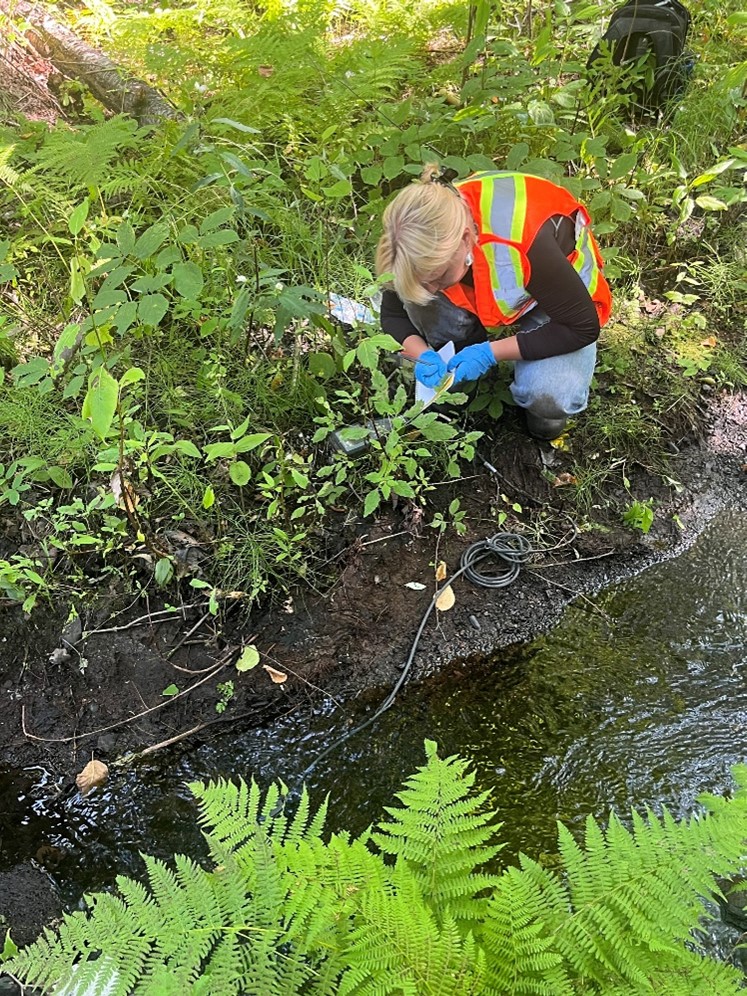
column 164, row 319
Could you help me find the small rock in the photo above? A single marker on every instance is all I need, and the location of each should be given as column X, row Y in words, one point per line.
column 474, row 622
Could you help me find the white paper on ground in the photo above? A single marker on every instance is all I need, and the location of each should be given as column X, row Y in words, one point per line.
column 427, row 394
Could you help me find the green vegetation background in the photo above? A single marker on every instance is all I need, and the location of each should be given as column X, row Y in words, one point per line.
column 170, row 368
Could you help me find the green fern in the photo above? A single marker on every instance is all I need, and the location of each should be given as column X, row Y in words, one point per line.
column 442, row 834
column 71, row 159
column 283, row 912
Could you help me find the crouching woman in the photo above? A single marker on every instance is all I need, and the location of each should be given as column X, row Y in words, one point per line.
column 497, row 250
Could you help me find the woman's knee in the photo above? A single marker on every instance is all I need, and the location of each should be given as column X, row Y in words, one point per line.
column 557, row 386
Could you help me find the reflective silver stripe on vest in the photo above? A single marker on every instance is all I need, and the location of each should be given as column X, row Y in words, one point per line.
column 504, row 202
column 510, row 294
column 585, row 263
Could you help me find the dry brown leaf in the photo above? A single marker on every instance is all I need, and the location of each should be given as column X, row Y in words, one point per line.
column 441, row 571
column 446, row 599
column 277, row 676
column 265, row 71
column 94, row 774
column 124, row 492
column 564, row 478
column 711, row 341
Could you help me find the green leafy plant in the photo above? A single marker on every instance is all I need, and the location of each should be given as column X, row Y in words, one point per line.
column 639, row 515
column 414, row 906
column 225, row 691
column 454, row 517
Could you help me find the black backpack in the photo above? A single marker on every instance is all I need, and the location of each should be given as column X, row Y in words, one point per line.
column 654, row 29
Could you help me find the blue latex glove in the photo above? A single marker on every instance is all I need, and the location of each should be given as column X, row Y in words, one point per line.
column 472, row 362
column 430, row 369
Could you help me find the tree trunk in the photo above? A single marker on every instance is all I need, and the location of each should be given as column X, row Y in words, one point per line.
column 113, row 87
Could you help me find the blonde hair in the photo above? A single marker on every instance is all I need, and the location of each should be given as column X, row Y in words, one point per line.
column 423, row 227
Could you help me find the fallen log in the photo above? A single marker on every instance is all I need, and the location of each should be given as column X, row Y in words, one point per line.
column 116, row 89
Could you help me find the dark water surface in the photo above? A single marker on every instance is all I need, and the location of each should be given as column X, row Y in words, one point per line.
column 638, row 698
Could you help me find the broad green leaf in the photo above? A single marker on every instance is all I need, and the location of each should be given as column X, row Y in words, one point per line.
column 709, row 203
column 208, row 499
column 60, row 477
column 371, row 175
column 188, row 448
column 393, row 166
column 152, row 308
column 373, row 500
column 151, row 283
column 131, row 376
column 252, row 441
column 240, row 473
column 126, row 316
column 438, row 432
column 100, row 402
column 216, row 219
column 224, row 237
column 188, row 279
column 66, row 340
column 215, row 451
column 322, row 365
column 403, row 489
column 78, row 217
column 517, row 155
column 339, row 189
column 164, row 572
column 9, row 948
column 170, row 689
column 248, row 659
column 150, row 241
column 623, row 165
column 77, row 286
column 126, row 238
column 368, row 354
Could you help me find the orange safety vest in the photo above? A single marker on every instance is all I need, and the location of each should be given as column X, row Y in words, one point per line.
column 509, row 209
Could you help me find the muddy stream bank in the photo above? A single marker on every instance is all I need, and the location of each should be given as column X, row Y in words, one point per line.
column 632, row 695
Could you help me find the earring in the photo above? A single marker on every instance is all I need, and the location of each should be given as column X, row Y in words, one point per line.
column 469, row 259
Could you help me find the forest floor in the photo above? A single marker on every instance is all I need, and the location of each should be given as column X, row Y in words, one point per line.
column 94, row 686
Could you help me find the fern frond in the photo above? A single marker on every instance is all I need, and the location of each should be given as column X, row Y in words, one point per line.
column 397, row 946
column 522, row 957
column 442, row 834
column 635, row 893
column 83, row 157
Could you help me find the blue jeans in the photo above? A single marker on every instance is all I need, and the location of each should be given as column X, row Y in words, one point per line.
column 551, row 388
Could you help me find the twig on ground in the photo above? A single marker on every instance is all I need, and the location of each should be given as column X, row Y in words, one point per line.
column 130, row 719
column 145, row 620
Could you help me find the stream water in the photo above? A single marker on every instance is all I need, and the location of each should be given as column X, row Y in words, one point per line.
column 638, row 698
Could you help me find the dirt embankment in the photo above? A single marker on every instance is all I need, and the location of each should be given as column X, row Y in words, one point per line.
column 95, row 687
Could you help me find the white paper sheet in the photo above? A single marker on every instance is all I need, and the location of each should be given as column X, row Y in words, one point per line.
column 427, row 394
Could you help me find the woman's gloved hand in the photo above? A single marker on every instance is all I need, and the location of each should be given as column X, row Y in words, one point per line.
column 472, row 362
column 430, row 369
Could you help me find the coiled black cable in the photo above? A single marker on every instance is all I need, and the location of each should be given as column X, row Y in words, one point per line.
column 511, row 550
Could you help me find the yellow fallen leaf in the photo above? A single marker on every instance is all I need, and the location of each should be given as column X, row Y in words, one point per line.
column 277, row 676
column 446, row 599
column 711, row 341
column 561, row 443
column 94, row 774
column 441, row 571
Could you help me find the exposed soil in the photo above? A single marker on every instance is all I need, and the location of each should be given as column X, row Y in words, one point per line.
column 68, row 696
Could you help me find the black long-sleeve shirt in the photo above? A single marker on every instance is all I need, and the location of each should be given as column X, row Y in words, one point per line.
column 553, row 283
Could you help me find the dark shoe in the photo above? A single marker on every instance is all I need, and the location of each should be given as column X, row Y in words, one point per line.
column 544, row 428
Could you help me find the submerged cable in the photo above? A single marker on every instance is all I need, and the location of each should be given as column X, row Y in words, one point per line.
column 511, row 550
